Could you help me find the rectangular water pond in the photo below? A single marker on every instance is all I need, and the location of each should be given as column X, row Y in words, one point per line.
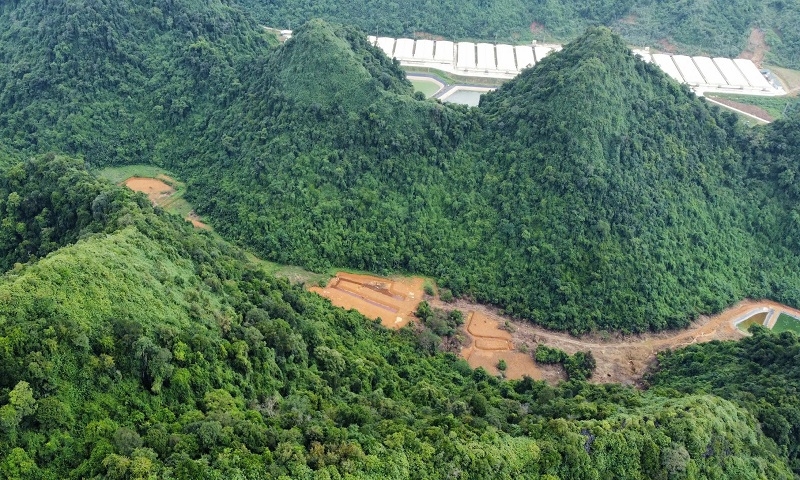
column 787, row 323
column 757, row 319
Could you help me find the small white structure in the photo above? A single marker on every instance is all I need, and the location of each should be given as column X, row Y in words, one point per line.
column 541, row 52
column 404, row 49
column 710, row 72
column 387, row 45
column 466, row 55
column 486, row 59
column 443, row 52
column 505, row 58
column 423, row 50
column 525, row 57
column 751, row 73
column 666, row 64
column 731, row 73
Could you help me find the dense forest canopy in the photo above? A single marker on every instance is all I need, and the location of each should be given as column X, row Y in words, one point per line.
column 592, row 192
column 589, row 193
column 154, row 350
column 693, row 26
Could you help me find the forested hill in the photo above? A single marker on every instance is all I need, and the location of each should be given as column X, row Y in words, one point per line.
column 613, row 178
column 153, row 350
column 111, row 80
column 591, row 192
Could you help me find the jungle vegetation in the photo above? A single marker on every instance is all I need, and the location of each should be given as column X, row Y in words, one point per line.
column 591, row 192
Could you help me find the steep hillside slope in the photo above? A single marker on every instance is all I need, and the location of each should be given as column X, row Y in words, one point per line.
column 110, row 80
column 151, row 350
column 589, row 193
column 619, row 188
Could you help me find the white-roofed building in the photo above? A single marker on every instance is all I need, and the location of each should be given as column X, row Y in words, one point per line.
column 505, row 58
column 466, row 55
column 688, row 69
column 524, row 56
column 423, row 50
column 404, row 49
column 731, row 72
column 444, row 51
column 486, row 59
column 751, row 73
column 541, row 52
column 710, row 72
column 387, row 45
column 372, row 39
column 666, row 64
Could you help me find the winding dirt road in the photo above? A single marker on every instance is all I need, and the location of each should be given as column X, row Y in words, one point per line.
column 620, row 359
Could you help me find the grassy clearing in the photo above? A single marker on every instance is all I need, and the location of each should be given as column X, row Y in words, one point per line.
column 120, row 174
column 772, row 105
column 174, row 204
column 787, row 323
column 790, row 78
column 427, row 87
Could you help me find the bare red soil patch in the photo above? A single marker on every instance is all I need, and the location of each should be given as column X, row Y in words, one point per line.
column 751, row 109
column 156, row 190
column 490, row 344
column 393, row 300
column 756, row 47
column 160, row 193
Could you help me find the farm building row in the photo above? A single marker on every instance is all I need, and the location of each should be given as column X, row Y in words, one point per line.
column 482, row 59
column 506, row 61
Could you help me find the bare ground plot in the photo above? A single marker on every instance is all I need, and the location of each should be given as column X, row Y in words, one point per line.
column 490, row 344
column 161, row 192
column 393, row 300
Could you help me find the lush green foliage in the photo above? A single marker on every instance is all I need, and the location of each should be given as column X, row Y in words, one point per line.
column 153, row 350
column 591, row 192
column 578, row 367
column 760, row 373
column 710, row 26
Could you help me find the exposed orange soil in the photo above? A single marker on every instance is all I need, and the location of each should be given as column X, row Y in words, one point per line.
column 620, row 359
column 156, row 190
column 393, row 300
column 490, row 344
column 756, row 47
column 159, row 193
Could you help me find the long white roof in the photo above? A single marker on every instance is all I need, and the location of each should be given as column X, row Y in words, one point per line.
column 387, row 45
column 524, row 56
column 688, row 70
column 486, row 56
column 404, row 49
column 444, row 51
column 423, row 50
column 731, row 72
column 666, row 64
column 466, row 55
column 505, row 58
column 751, row 73
column 710, row 71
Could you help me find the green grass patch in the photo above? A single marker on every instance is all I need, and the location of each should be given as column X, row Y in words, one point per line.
column 772, row 105
column 787, row 323
column 427, row 87
column 175, row 204
column 120, row 174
